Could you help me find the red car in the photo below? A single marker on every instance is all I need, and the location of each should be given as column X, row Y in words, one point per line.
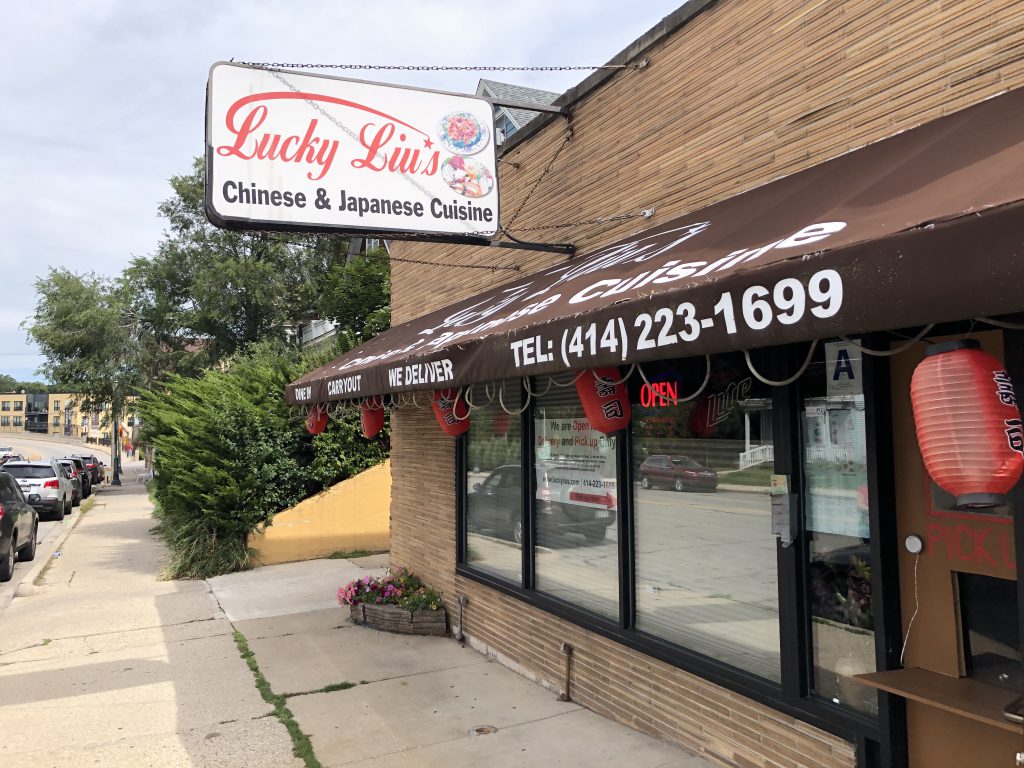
column 679, row 472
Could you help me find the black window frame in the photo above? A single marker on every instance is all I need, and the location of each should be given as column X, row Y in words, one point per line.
column 879, row 740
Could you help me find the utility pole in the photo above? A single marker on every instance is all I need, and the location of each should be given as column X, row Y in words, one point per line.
column 115, row 437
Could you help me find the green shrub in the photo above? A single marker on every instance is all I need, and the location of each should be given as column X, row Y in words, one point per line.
column 229, row 454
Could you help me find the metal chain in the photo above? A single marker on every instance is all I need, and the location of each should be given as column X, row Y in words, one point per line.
column 547, row 168
column 580, row 223
column 439, row 67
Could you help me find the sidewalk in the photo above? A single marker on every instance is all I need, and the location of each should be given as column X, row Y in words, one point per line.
column 105, row 665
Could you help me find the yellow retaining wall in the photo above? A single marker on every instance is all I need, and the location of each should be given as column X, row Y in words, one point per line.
column 354, row 514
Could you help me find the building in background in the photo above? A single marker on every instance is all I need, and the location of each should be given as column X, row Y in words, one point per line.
column 507, row 119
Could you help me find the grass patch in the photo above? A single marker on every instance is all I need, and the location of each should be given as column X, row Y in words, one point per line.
column 760, row 475
column 301, row 745
column 348, row 554
column 326, row 689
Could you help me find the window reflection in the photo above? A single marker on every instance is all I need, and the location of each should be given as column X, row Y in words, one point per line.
column 706, row 564
column 494, row 497
column 836, row 503
column 577, row 511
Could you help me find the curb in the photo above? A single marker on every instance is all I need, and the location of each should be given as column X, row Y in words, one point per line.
column 44, row 554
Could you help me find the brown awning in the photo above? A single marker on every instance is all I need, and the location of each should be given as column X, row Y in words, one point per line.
column 926, row 226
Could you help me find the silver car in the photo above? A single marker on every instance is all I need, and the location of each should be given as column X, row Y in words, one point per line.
column 45, row 484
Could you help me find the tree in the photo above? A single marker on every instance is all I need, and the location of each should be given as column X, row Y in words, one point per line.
column 230, row 454
column 356, row 295
column 90, row 347
column 210, row 291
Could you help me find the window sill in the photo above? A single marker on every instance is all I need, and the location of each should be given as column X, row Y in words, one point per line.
column 959, row 695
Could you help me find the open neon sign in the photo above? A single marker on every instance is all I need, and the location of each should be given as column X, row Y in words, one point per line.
column 659, row 394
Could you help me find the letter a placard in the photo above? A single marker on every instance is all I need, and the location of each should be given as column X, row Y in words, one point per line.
column 842, row 369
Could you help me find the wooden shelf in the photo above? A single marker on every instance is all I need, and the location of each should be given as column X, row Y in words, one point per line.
column 959, row 695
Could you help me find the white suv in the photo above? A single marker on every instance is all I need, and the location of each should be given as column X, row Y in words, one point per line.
column 45, row 484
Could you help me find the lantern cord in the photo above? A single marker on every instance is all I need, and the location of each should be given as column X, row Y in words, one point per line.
column 1001, row 323
column 569, row 383
column 784, row 382
column 609, row 382
column 501, row 402
column 526, row 385
column 917, row 606
column 455, row 402
column 473, row 406
column 903, row 348
column 688, row 398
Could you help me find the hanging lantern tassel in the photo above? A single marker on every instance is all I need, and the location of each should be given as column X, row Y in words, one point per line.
column 372, row 418
column 451, row 411
column 316, row 420
column 606, row 405
column 968, row 423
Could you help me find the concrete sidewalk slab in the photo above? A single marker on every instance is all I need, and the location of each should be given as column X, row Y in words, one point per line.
column 294, row 623
column 311, row 659
column 419, row 710
column 277, row 590
column 223, row 745
column 571, row 740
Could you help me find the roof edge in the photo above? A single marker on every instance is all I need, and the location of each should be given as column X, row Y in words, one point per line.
column 635, row 50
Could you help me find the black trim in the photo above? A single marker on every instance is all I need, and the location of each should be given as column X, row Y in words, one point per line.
column 1013, row 355
column 627, row 551
column 794, row 629
column 892, row 719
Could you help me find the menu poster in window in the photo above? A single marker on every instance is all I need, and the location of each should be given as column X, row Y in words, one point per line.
column 570, row 452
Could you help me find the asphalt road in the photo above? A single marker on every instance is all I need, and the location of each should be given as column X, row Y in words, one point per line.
column 35, row 448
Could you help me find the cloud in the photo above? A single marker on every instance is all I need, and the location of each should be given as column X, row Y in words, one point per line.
column 104, row 100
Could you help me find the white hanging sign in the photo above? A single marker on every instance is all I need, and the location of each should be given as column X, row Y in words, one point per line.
column 304, row 152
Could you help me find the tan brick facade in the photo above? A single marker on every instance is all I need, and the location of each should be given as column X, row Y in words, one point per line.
column 743, row 93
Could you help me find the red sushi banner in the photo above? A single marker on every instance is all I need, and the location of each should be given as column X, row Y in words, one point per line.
column 300, row 152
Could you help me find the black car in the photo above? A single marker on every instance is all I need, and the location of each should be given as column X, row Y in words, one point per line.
column 19, row 527
column 83, row 473
column 93, row 464
column 77, row 489
column 569, row 500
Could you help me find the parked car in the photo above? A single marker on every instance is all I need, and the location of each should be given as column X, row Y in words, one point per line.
column 93, row 464
column 76, row 480
column 44, row 484
column 83, row 473
column 572, row 500
column 575, row 499
column 679, row 472
column 19, row 526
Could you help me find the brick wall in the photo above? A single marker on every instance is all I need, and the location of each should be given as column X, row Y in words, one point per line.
column 744, row 93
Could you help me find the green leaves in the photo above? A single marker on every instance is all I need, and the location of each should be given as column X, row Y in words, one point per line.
column 229, row 455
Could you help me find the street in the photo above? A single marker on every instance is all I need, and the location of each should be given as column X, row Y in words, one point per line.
column 34, row 448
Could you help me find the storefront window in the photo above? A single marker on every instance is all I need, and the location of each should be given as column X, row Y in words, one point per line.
column 838, row 532
column 494, row 483
column 706, row 563
column 576, row 506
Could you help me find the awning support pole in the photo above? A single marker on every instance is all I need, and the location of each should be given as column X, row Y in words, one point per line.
column 567, row 248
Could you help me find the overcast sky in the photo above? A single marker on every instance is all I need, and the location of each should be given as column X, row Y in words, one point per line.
column 103, row 101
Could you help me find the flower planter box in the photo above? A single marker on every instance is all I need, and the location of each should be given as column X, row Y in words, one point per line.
column 391, row 618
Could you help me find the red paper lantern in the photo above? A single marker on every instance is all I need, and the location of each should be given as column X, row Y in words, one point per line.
column 372, row 418
column 968, row 423
column 502, row 423
column 606, row 405
column 316, row 420
column 451, row 411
